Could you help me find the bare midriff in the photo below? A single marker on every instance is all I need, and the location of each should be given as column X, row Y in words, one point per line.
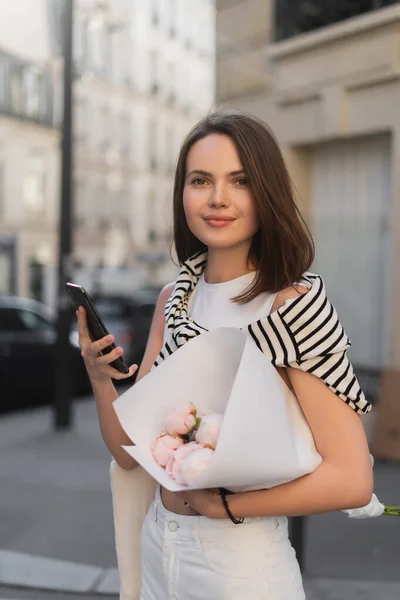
column 174, row 504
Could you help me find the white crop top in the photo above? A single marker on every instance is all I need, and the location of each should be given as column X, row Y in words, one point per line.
column 210, row 304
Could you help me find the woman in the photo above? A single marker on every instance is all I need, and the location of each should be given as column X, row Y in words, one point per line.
column 245, row 251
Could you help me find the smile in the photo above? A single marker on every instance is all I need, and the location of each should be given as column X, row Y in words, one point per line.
column 219, row 222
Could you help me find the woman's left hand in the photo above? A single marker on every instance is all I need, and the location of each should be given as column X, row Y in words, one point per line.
column 206, row 502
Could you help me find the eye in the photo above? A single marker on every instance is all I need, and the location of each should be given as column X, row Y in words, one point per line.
column 242, row 181
column 199, row 181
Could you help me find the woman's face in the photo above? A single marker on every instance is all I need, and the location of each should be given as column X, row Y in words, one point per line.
column 218, row 205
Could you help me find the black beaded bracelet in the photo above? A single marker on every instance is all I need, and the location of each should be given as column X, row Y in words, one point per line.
column 224, row 493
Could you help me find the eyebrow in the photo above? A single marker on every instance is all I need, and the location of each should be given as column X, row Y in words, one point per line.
column 208, row 174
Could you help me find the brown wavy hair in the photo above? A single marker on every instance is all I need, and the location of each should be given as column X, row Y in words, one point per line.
column 282, row 249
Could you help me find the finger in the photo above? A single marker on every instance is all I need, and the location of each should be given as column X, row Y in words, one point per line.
column 100, row 345
column 82, row 323
column 106, row 359
column 118, row 375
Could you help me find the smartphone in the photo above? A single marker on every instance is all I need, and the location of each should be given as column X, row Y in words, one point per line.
column 96, row 326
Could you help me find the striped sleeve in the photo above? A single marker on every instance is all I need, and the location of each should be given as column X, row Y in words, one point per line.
column 305, row 333
column 168, row 348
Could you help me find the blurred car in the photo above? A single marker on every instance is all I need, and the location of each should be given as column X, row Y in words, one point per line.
column 27, row 355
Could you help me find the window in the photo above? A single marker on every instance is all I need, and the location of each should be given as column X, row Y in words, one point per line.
column 56, row 19
column 293, row 17
column 121, row 208
column 10, row 320
column 80, row 41
column 119, row 53
column 169, row 135
column 16, row 89
column 172, row 18
column 16, row 319
column 34, row 322
column 153, row 144
column 103, row 225
column 79, row 223
column 154, row 73
column 155, row 16
column 97, row 41
column 105, row 123
column 24, row 89
column 80, row 193
column 5, row 275
column 34, row 186
column 1, row 191
column 171, row 78
column 80, row 121
column 185, row 90
column 151, row 210
column 32, row 83
column 125, row 134
column 3, row 81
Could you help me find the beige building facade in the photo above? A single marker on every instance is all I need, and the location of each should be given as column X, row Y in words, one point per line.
column 332, row 97
column 29, row 149
column 144, row 73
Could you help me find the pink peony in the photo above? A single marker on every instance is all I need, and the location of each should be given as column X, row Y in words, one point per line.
column 209, row 430
column 182, row 420
column 164, row 447
column 188, row 462
column 174, row 465
column 195, row 463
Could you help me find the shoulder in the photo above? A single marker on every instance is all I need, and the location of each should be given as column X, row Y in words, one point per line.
column 163, row 298
column 166, row 293
column 288, row 293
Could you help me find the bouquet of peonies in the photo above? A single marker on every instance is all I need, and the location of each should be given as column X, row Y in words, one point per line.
column 215, row 440
column 186, row 446
column 263, row 437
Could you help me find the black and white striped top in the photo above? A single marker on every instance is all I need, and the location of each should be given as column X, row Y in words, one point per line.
column 305, row 333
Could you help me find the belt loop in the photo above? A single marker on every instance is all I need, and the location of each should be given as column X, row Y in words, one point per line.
column 197, row 530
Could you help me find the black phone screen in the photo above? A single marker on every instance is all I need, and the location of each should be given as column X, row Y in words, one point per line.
column 96, row 326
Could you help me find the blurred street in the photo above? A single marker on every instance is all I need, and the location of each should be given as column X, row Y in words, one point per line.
column 56, row 529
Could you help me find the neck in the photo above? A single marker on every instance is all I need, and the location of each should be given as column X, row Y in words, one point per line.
column 225, row 264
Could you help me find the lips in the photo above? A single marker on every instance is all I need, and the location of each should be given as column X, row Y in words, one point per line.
column 215, row 218
column 218, row 222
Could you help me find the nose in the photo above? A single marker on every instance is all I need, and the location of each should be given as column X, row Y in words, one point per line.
column 218, row 197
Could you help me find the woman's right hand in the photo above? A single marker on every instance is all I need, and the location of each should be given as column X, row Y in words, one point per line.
column 98, row 365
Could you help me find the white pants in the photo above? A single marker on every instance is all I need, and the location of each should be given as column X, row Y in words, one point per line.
column 196, row 558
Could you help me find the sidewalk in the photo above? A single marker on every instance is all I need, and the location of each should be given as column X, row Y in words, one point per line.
column 315, row 590
column 56, row 521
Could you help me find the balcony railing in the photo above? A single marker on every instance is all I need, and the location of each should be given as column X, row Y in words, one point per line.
column 293, row 17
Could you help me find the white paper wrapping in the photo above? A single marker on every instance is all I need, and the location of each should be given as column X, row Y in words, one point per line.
column 374, row 508
column 265, row 439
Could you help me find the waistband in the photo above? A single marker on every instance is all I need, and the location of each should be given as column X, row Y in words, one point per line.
column 204, row 529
